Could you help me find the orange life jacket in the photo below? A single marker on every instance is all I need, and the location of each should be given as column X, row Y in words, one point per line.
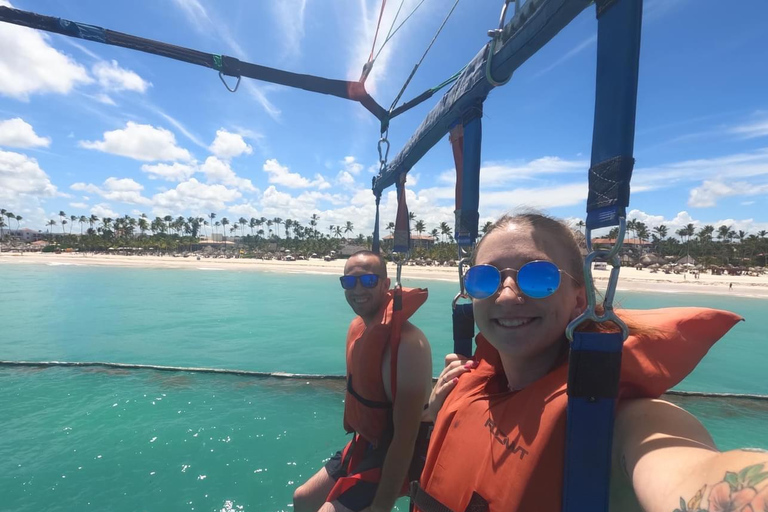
column 501, row 451
column 367, row 410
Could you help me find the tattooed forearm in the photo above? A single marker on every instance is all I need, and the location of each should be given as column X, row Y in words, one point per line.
column 745, row 491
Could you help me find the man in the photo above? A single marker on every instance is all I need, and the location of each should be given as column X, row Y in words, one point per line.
column 373, row 468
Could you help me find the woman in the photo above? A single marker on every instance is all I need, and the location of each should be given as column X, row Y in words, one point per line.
column 498, row 441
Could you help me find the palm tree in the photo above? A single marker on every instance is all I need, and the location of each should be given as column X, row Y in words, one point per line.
column 349, row 228
column 242, row 223
column 288, row 225
column 212, row 216
column 143, row 225
column 337, row 231
column 61, row 216
column 224, row 224
column 722, row 232
column 632, row 226
column 435, row 233
column 2, row 214
column 487, row 227
column 252, row 224
column 579, row 225
column 51, row 223
column 391, row 227
column 72, row 220
column 313, row 222
column 420, row 227
column 445, row 229
column 278, row 221
column 18, row 222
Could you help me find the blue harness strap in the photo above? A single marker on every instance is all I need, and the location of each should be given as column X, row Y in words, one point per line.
column 593, row 384
column 466, row 139
column 595, row 358
column 468, row 180
column 618, row 54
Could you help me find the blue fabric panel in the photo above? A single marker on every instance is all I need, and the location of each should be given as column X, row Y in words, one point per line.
column 589, row 431
column 90, row 32
column 468, row 217
column 618, row 55
column 544, row 19
column 463, row 329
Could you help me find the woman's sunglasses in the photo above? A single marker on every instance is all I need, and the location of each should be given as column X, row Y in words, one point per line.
column 536, row 279
column 367, row 280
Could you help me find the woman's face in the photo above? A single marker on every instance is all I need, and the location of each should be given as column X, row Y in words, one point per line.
column 517, row 325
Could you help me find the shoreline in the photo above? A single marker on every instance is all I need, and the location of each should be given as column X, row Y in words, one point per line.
column 630, row 279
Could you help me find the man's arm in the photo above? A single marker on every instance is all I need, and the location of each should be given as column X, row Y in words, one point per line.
column 673, row 464
column 414, row 371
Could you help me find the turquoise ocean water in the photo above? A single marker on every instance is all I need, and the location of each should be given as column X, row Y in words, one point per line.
column 119, row 440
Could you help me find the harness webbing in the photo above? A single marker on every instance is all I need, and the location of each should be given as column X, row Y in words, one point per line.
column 595, row 358
column 402, row 235
column 229, row 66
column 467, row 160
column 376, row 244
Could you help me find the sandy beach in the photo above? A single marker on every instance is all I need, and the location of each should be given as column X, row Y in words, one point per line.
column 631, row 279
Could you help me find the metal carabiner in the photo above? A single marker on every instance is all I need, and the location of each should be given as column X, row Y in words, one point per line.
column 383, row 142
column 612, row 256
column 399, row 261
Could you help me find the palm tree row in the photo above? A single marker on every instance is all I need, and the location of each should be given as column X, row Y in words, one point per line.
column 722, row 244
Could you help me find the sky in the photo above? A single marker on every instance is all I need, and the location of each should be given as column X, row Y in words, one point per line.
column 93, row 129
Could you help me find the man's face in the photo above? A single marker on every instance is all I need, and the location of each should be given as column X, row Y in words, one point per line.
column 365, row 302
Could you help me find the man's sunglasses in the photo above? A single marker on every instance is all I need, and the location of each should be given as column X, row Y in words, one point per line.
column 367, row 280
column 536, row 279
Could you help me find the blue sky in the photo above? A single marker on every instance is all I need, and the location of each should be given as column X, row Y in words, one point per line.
column 92, row 129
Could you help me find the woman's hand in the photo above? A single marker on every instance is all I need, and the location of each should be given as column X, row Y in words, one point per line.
column 455, row 367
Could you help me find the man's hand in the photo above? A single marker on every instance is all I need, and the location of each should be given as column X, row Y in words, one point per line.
column 455, row 367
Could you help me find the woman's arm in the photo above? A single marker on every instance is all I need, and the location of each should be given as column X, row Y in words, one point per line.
column 674, row 466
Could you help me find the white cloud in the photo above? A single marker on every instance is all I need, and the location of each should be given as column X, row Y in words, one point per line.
column 708, row 193
column 500, row 174
column 105, row 99
column 290, row 17
column 141, row 142
column 345, row 179
column 103, row 210
column 739, row 165
column 169, row 172
column 79, row 206
column 114, row 78
column 281, row 175
column 29, row 65
column 17, row 133
column 228, row 145
column 183, row 129
column 752, row 130
column 219, row 171
column 351, row 165
column 124, row 190
column 21, row 175
column 194, row 196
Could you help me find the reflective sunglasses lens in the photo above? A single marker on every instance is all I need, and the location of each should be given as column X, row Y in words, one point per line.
column 369, row 280
column 482, row 281
column 348, row 282
column 538, row 279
